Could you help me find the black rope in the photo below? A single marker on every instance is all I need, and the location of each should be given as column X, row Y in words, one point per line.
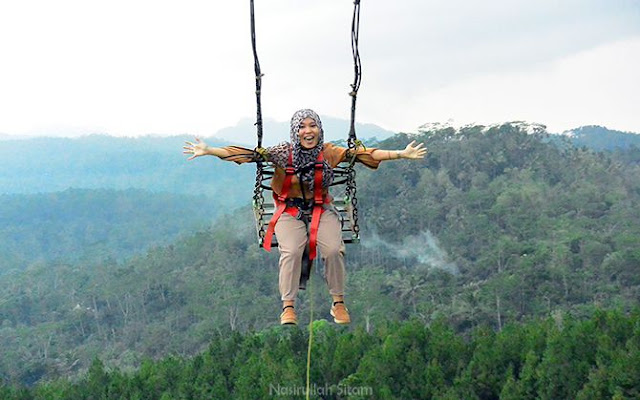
column 256, row 67
column 353, row 142
column 258, row 197
column 357, row 69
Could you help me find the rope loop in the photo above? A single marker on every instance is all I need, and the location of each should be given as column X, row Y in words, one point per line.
column 261, row 153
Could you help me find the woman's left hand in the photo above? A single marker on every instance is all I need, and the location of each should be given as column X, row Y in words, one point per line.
column 413, row 151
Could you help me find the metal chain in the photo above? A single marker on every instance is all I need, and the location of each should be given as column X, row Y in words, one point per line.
column 351, row 197
column 258, row 204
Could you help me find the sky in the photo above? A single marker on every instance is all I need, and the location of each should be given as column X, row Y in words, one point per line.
column 138, row 67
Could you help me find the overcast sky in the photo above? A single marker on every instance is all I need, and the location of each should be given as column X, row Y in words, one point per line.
column 135, row 67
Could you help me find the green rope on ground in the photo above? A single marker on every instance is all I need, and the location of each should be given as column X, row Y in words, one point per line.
column 310, row 337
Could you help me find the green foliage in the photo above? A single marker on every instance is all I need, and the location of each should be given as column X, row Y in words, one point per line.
column 399, row 360
column 495, row 228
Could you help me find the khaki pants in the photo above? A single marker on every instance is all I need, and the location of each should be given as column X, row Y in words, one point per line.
column 292, row 240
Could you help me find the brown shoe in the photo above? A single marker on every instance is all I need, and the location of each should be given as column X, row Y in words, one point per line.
column 340, row 313
column 288, row 316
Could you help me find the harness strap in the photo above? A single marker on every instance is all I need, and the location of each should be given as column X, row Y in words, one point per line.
column 282, row 205
column 318, row 200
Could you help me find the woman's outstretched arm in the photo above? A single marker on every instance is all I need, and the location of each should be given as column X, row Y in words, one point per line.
column 412, row 152
column 200, row 148
column 237, row 154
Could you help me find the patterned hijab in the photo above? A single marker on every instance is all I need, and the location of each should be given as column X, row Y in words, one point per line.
column 303, row 159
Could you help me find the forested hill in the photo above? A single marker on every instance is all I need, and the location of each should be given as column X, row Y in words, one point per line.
column 89, row 225
column 529, row 226
column 496, row 226
column 600, row 138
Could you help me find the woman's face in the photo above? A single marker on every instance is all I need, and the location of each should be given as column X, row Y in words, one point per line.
column 309, row 133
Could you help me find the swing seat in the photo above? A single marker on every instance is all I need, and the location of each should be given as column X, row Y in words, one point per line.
column 341, row 202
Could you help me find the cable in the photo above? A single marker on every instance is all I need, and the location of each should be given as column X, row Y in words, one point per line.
column 310, row 337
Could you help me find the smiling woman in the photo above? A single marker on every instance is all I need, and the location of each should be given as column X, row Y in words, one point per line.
column 306, row 216
column 308, row 133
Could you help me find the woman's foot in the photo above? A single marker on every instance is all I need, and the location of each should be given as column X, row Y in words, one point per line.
column 288, row 316
column 340, row 313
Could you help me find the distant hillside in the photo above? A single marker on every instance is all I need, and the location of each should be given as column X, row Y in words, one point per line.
column 156, row 164
column 37, row 165
column 600, row 138
column 52, row 164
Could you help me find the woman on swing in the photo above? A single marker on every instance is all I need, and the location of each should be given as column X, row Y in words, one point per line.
column 313, row 162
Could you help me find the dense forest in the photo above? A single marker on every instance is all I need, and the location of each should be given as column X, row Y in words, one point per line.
column 559, row 357
column 500, row 234
column 90, row 225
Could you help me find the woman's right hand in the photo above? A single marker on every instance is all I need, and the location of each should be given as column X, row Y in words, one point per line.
column 195, row 149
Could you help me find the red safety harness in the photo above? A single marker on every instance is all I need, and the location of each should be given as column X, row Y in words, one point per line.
column 318, row 201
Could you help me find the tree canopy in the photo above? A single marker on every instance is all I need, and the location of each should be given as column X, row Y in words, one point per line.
column 499, row 229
